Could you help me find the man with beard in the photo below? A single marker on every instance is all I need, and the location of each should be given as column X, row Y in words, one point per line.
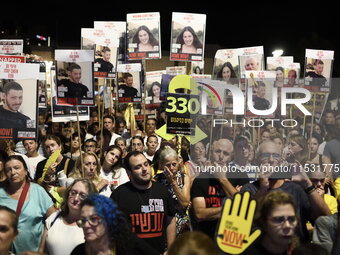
column 104, row 63
column 10, row 117
column 71, row 90
column 147, row 204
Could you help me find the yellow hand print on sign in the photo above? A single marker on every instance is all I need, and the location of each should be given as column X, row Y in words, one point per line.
column 233, row 235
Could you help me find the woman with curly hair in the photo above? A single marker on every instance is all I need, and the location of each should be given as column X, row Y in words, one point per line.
column 105, row 228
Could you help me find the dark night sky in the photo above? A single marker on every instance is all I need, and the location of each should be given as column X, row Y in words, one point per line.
column 287, row 25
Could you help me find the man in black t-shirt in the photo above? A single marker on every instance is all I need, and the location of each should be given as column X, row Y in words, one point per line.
column 104, row 62
column 317, row 79
column 127, row 90
column 70, row 90
column 209, row 190
column 259, row 102
column 10, row 117
column 147, row 204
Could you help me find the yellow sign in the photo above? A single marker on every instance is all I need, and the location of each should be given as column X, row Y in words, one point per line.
column 183, row 82
column 233, row 235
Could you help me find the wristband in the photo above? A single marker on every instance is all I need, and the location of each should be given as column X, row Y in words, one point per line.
column 310, row 189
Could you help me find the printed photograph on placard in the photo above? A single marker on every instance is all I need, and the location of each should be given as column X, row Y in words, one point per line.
column 75, row 83
column 317, row 74
column 187, row 37
column 144, row 41
column 18, row 109
column 129, row 83
column 19, row 103
column 105, row 62
column 197, row 67
column 278, row 64
column 318, row 70
column 226, row 66
column 153, row 89
column 119, row 28
column 292, row 75
column 262, row 84
column 62, row 113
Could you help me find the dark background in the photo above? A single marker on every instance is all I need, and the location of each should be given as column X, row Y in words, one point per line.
column 292, row 26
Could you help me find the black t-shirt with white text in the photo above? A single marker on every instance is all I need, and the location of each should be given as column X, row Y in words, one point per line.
column 147, row 210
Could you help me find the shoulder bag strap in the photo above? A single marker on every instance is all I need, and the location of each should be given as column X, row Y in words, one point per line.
column 22, row 197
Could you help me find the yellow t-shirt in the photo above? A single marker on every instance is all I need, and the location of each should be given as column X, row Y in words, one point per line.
column 331, row 202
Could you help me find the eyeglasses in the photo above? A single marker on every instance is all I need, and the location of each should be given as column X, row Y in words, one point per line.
column 94, row 220
column 279, row 220
column 266, row 156
column 74, row 193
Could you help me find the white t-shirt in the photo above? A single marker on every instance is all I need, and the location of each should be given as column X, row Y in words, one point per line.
column 113, row 139
column 120, row 178
column 33, row 161
column 62, row 238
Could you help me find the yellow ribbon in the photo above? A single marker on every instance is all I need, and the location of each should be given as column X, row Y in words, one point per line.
column 129, row 117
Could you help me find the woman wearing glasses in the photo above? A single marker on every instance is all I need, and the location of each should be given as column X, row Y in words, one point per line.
column 61, row 233
column 276, row 216
column 105, row 228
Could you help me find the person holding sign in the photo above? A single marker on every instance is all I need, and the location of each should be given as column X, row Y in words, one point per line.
column 10, row 117
column 189, row 41
column 104, row 62
column 145, row 39
column 72, row 89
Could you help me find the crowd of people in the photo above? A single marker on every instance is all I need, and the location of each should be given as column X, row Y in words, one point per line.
column 103, row 188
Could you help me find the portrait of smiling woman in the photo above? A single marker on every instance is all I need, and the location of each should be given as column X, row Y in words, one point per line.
column 144, row 39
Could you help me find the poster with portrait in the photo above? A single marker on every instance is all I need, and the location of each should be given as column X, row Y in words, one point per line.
column 187, row 36
column 62, row 113
column 212, row 96
column 260, row 87
column 292, row 75
column 105, row 43
column 75, row 82
column 318, row 70
column 226, row 66
column 11, row 47
column 129, row 83
column 18, row 109
column 197, row 67
column 144, row 36
column 153, row 89
column 118, row 28
column 278, row 65
column 250, row 59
